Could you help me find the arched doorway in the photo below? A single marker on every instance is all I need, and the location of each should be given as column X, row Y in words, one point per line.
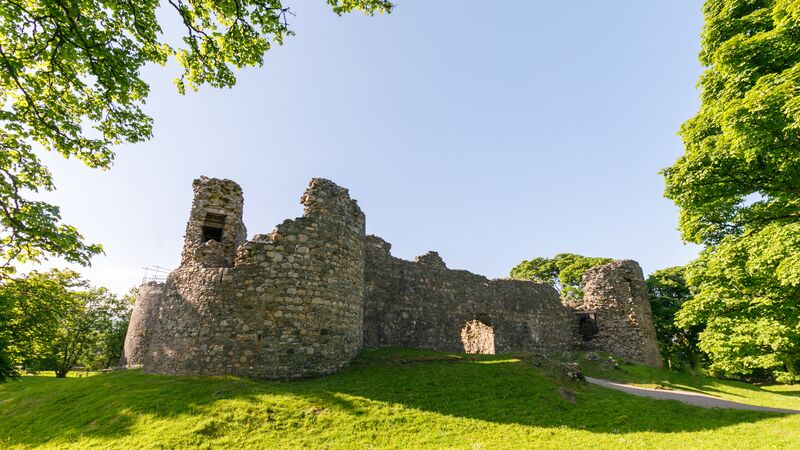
column 478, row 337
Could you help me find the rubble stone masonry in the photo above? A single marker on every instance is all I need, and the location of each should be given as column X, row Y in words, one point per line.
column 424, row 304
column 284, row 305
column 617, row 294
column 302, row 300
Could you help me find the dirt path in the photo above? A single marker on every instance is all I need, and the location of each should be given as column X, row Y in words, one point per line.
column 691, row 398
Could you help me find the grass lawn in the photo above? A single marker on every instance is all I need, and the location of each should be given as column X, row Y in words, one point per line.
column 389, row 398
column 71, row 374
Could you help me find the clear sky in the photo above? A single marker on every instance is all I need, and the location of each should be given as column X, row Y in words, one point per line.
column 489, row 132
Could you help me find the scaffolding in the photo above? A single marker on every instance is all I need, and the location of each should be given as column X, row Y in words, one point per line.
column 155, row 274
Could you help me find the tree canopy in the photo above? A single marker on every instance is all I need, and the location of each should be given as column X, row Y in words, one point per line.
column 741, row 168
column 54, row 320
column 748, row 301
column 31, row 308
column 70, row 82
column 738, row 187
column 668, row 291
column 564, row 272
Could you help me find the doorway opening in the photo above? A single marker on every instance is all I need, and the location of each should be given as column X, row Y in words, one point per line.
column 587, row 325
column 478, row 337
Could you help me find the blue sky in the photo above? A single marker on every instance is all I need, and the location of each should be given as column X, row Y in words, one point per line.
column 489, row 133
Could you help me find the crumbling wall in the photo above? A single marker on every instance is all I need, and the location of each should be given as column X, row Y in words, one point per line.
column 616, row 294
column 302, row 300
column 214, row 198
column 424, row 304
column 285, row 305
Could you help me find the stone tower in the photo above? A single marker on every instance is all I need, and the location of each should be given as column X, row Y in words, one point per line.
column 617, row 309
column 215, row 229
column 287, row 304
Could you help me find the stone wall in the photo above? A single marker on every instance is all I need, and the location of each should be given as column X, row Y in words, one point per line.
column 303, row 300
column 616, row 294
column 284, row 305
column 424, row 304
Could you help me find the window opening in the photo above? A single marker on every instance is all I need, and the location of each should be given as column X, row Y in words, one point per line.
column 213, row 226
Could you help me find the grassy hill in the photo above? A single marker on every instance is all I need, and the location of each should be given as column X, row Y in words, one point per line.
column 390, row 398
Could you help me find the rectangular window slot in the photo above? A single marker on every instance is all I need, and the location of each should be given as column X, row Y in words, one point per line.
column 213, row 226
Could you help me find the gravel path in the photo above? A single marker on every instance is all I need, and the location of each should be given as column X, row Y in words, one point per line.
column 691, row 398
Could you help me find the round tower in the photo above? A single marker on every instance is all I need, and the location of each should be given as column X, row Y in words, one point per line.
column 308, row 287
column 142, row 325
column 615, row 299
column 288, row 304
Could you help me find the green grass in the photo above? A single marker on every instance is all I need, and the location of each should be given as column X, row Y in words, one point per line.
column 387, row 398
column 770, row 395
column 72, row 374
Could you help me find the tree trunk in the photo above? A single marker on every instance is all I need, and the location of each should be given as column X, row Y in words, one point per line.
column 61, row 373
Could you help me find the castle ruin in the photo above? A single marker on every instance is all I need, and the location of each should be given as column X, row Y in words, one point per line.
column 302, row 300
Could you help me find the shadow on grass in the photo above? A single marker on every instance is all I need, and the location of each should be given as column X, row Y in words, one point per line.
column 792, row 393
column 497, row 389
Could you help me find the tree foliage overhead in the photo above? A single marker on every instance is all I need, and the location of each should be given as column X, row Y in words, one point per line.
column 741, row 169
column 738, row 187
column 70, row 82
column 564, row 272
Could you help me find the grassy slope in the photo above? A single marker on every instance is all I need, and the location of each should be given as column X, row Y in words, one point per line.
column 387, row 398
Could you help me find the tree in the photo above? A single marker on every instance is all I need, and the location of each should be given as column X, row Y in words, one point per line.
column 738, row 187
column 55, row 320
column 83, row 332
column 31, row 309
column 106, row 350
column 668, row 290
column 70, row 82
column 7, row 367
column 564, row 272
column 748, row 300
